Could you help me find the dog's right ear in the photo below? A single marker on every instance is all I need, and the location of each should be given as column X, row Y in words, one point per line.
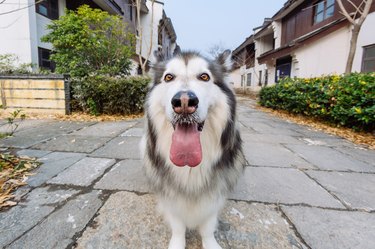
column 159, row 56
column 225, row 60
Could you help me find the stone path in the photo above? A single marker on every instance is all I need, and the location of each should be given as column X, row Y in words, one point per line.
column 300, row 189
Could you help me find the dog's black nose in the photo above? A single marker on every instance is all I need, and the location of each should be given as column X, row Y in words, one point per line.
column 185, row 102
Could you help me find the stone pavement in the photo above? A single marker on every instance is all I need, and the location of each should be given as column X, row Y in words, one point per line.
column 300, row 189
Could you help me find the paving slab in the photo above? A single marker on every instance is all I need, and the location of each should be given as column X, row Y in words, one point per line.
column 329, row 159
column 58, row 229
column 33, row 153
column 83, row 172
column 73, row 143
column 256, row 138
column 125, row 175
column 120, row 148
column 357, row 190
column 140, row 123
column 38, row 204
column 330, row 229
column 276, row 155
column 27, row 139
column 282, row 185
column 265, row 127
column 105, row 129
column 23, row 125
column 246, row 225
column 242, row 225
column 126, row 220
column 359, row 153
column 64, row 127
column 53, row 164
column 326, row 141
column 133, row 132
column 43, row 132
column 316, row 134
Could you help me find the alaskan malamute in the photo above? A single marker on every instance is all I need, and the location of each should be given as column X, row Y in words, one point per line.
column 192, row 146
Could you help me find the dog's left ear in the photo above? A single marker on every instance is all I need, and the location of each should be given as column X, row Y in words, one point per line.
column 225, row 60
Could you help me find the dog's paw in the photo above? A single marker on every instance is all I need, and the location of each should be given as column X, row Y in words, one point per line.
column 210, row 243
column 177, row 243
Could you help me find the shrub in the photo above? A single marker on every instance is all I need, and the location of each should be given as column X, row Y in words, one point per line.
column 9, row 64
column 90, row 41
column 343, row 100
column 110, row 95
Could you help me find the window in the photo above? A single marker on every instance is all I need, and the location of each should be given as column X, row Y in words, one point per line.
column 48, row 8
column 260, row 78
column 368, row 61
column 131, row 12
column 44, row 61
column 248, row 81
column 266, row 77
column 242, row 80
column 323, row 10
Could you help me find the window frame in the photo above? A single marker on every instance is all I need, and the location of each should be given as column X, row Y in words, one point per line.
column 42, row 60
column 324, row 12
column 260, row 77
column 248, row 79
column 52, row 13
column 266, row 77
column 364, row 59
column 131, row 12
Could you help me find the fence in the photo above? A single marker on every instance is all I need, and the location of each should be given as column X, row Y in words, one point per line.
column 35, row 93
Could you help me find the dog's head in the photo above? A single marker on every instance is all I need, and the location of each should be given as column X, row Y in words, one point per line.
column 185, row 89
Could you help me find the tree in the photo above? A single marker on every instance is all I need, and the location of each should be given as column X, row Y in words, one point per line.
column 90, row 41
column 356, row 19
column 143, row 61
column 216, row 49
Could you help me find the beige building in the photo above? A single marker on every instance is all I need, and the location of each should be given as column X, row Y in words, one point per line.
column 303, row 39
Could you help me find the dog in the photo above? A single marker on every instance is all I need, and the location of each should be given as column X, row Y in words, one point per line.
column 192, row 145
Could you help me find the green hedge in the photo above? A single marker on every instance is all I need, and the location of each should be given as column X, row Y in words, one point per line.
column 110, row 95
column 343, row 100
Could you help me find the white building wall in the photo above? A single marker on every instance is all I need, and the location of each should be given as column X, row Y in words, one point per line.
column 326, row 56
column 262, row 45
column 15, row 29
column 150, row 36
column 21, row 30
column 235, row 78
column 33, row 35
column 366, row 37
column 277, row 28
column 41, row 25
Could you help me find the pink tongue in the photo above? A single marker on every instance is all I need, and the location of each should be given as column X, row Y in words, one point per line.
column 186, row 146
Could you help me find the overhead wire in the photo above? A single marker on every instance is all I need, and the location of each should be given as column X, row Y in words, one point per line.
column 12, row 11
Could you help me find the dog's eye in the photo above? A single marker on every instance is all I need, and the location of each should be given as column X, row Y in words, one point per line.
column 168, row 77
column 204, row 77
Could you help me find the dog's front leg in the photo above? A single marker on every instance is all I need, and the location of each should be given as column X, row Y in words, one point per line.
column 207, row 230
column 178, row 228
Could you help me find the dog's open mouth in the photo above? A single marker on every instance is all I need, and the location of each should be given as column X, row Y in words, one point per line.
column 186, row 149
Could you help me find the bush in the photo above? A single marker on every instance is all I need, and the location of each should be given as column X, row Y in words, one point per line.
column 343, row 100
column 110, row 95
column 90, row 42
column 9, row 64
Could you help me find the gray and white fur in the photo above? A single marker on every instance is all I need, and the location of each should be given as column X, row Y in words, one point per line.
column 191, row 197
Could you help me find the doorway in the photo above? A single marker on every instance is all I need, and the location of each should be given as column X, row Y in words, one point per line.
column 283, row 68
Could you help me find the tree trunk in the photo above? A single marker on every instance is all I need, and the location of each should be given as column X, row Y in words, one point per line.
column 352, row 49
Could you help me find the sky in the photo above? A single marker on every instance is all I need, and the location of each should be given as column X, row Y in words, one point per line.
column 201, row 24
